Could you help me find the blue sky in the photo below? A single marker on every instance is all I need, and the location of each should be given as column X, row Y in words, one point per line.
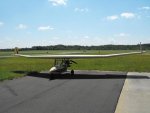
column 27, row 23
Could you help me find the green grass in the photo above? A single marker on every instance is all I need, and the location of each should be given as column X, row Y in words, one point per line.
column 18, row 66
column 10, row 66
column 139, row 63
column 6, row 53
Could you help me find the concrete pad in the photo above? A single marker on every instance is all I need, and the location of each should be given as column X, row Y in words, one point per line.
column 135, row 96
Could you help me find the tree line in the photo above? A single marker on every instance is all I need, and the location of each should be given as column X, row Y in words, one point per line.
column 79, row 47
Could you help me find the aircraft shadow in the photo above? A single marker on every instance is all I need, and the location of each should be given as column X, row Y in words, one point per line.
column 81, row 76
column 85, row 76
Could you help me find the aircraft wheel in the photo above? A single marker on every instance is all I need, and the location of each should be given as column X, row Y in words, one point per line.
column 51, row 76
column 72, row 72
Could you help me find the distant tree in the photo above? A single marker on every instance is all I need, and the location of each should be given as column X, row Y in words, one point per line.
column 78, row 47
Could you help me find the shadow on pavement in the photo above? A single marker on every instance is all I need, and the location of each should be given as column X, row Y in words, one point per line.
column 81, row 76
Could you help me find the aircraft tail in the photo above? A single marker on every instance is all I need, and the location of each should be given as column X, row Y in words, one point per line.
column 141, row 48
column 16, row 50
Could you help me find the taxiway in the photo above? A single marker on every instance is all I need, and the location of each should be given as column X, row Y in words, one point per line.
column 86, row 92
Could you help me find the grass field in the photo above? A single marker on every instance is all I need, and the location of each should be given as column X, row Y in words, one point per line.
column 18, row 66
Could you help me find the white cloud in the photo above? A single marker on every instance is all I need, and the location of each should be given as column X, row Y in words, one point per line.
column 55, row 38
column 127, row 15
column 86, row 37
column 21, row 26
column 145, row 8
column 113, row 17
column 45, row 28
column 122, row 35
column 58, row 2
column 81, row 9
column 1, row 23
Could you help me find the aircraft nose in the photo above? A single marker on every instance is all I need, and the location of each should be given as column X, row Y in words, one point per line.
column 52, row 69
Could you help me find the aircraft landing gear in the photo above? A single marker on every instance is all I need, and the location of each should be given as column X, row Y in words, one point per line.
column 72, row 72
column 51, row 77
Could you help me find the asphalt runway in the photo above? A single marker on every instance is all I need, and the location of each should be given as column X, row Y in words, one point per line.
column 85, row 92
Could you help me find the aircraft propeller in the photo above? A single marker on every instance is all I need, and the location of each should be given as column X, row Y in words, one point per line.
column 73, row 61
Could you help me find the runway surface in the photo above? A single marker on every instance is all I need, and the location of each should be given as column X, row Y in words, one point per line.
column 85, row 92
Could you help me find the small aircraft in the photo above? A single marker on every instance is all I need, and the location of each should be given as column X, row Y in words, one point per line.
column 62, row 62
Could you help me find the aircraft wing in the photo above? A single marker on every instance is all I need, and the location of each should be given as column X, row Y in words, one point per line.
column 76, row 56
